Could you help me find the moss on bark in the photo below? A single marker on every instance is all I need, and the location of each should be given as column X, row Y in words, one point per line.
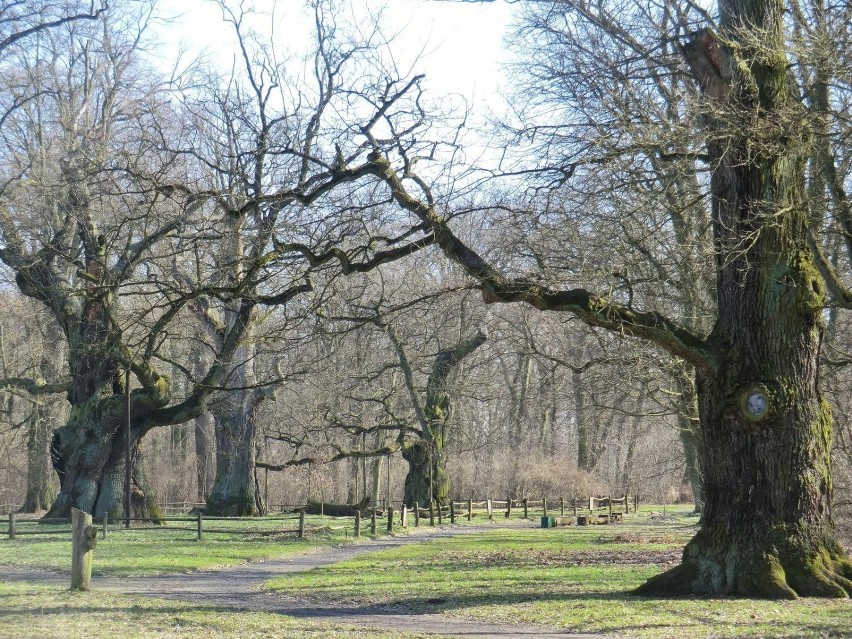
column 784, row 562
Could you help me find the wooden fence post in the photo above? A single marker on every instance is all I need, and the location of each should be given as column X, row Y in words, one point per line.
column 452, row 512
column 490, row 508
column 83, row 542
column 198, row 525
column 11, row 525
column 416, row 514
column 610, row 507
column 301, row 524
column 526, row 509
column 469, row 509
column 357, row 524
column 431, row 512
column 373, row 522
column 440, row 510
column 544, row 505
column 626, row 505
column 508, row 508
column 390, row 519
column 403, row 519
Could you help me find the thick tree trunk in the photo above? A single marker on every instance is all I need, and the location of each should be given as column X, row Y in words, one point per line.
column 234, row 491
column 767, row 529
column 427, row 477
column 89, row 458
column 41, row 490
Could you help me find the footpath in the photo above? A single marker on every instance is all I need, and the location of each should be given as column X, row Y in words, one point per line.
column 241, row 588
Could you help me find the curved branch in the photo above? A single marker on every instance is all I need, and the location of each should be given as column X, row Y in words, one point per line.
column 34, row 386
column 593, row 309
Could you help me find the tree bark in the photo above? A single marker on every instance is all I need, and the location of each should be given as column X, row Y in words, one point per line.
column 234, row 491
column 767, row 529
column 581, row 419
column 427, row 477
column 41, row 490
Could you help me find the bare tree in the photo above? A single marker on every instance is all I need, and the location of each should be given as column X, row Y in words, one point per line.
column 767, row 527
column 108, row 186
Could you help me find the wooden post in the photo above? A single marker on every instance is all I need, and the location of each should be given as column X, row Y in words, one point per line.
column 373, row 522
column 544, row 505
column 610, row 507
column 561, row 506
column 416, row 514
column 440, row 513
column 490, row 507
column 198, row 525
column 508, row 507
column 452, row 512
column 357, row 523
column 469, row 509
column 636, row 503
column 574, row 504
column 404, row 517
column 11, row 525
column 526, row 509
column 591, row 504
column 83, row 542
column 431, row 512
column 626, row 505
column 390, row 519
column 301, row 524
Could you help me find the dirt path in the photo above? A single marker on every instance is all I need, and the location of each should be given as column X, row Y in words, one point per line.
column 241, row 588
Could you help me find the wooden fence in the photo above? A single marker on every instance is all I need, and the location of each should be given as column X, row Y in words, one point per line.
column 591, row 510
column 19, row 526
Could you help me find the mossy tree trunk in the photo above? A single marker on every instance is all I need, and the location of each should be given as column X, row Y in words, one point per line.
column 427, row 477
column 767, row 529
column 766, row 432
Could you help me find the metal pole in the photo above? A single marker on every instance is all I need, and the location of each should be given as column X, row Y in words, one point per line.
column 127, row 449
column 387, row 486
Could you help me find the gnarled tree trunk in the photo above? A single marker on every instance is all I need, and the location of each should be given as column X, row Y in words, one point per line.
column 767, row 529
column 427, row 478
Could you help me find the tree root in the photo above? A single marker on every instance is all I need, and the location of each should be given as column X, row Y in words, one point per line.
column 775, row 566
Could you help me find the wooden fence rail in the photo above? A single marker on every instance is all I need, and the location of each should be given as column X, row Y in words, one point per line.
column 582, row 511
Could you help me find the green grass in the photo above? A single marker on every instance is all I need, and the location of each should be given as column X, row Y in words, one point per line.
column 151, row 552
column 578, row 579
column 52, row 612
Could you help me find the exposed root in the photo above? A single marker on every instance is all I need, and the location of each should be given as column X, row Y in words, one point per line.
column 782, row 567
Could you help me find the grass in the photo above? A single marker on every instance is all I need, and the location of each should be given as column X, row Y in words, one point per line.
column 573, row 578
column 140, row 552
column 577, row 579
column 52, row 612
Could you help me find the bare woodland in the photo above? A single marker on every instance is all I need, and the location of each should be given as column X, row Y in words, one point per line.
column 316, row 292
